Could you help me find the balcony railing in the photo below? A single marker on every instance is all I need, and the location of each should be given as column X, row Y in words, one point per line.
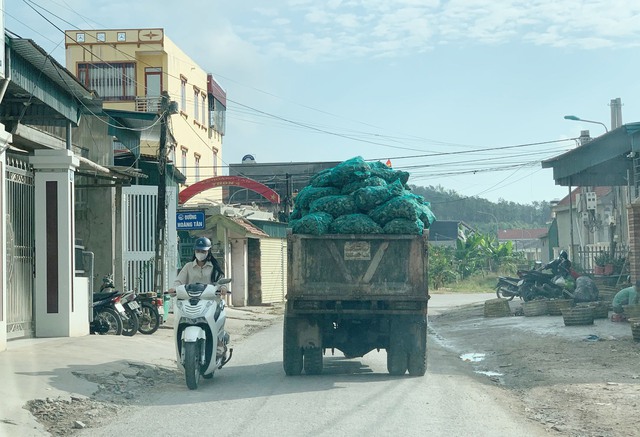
column 148, row 104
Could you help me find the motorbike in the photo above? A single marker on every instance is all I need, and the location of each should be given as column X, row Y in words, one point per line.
column 199, row 335
column 148, row 313
column 507, row 287
column 124, row 304
column 106, row 313
column 131, row 323
column 532, row 284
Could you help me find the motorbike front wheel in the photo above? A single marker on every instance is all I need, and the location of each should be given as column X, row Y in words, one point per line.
column 192, row 364
column 150, row 318
column 112, row 318
column 130, row 324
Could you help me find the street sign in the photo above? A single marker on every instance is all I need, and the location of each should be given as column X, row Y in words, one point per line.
column 186, row 221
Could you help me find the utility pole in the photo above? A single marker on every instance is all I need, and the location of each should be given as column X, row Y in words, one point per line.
column 161, row 212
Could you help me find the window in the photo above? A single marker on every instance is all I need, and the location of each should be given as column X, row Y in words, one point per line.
column 215, row 162
column 196, row 104
column 116, row 81
column 183, row 94
column 197, row 158
column 217, row 115
column 203, row 107
column 184, row 161
column 172, row 155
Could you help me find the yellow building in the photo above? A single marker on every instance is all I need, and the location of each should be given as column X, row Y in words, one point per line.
column 130, row 68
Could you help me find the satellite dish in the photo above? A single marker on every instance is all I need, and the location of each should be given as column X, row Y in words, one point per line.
column 248, row 159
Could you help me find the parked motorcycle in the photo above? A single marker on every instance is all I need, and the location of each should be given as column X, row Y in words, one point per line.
column 124, row 305
column 106, row 313
column 507, row 287
column 148, row 314
column 532, row 284
column 199, row 335
column 131, row 323
column 535, row 284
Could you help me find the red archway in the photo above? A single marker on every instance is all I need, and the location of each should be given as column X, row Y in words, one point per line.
column 219, row 181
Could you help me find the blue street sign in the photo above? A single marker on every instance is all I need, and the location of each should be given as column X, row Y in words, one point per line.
column 190, row 220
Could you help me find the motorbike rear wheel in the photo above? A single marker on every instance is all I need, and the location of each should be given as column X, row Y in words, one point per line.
column 150, row 319
column 502, row 295
column 111, row 317
column 130, row 324
column 192, row 364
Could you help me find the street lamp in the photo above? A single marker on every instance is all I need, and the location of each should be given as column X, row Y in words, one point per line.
column 495, row 219
column 574, row 118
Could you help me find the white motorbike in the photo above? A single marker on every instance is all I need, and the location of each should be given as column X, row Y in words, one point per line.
column 199, row 335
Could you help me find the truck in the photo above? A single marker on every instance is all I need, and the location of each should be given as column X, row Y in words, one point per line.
column 356, row 293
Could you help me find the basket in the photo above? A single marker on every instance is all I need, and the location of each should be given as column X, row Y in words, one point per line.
column 600, row 309
column 497, row 308
column 606, row 294
column 555, row 306
column 631, row 311
column 579, row 315
column 535, row 308
column 635, row 328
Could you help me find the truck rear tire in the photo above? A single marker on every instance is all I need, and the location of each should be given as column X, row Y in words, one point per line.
column 313, row 361
column 418, row 355
column 397, row 361
column 291, row 351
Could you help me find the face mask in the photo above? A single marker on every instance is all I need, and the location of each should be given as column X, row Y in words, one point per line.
column 201, row 256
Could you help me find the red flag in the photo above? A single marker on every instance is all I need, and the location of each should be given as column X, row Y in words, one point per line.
column 388, row 163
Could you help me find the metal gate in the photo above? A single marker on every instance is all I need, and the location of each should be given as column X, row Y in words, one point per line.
column 20, row 260
column 139, row 211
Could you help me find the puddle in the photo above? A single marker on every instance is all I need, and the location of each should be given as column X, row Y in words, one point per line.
column 488, row 373
column 472, row 357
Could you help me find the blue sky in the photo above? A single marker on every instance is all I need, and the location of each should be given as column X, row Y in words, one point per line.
column 443, row 88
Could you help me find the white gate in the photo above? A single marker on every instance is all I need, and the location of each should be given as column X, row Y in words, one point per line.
column 20, row 262
column 139, row 209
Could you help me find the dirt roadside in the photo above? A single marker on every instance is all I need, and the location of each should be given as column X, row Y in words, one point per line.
column 576, row 380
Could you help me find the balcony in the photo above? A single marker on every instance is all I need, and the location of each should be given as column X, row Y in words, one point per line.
column 148, row 104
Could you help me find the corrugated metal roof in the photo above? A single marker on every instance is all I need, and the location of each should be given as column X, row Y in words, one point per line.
column 42, row 61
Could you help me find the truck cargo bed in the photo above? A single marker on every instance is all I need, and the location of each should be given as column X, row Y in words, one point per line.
column 357, row 267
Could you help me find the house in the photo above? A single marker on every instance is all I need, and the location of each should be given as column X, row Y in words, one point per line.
column 597, row 224
column 57, row 190
column 610, row 160
column 252, row 245
column 448, row 232
column 131, row 70
column 527, row 241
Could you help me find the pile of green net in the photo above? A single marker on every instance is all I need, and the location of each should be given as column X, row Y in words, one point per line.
column 357, row 197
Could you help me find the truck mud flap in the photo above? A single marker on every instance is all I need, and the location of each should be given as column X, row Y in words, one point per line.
column 309, row 334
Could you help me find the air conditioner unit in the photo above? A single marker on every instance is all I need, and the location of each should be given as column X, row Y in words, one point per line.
column 592, row 200
column 611, row 220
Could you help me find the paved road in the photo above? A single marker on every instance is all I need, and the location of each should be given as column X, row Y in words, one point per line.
column 252, row 396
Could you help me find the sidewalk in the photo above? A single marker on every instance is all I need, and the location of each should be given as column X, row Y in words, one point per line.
column 46, row 368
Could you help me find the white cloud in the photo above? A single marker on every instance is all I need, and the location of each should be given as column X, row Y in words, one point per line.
column 360, row 27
